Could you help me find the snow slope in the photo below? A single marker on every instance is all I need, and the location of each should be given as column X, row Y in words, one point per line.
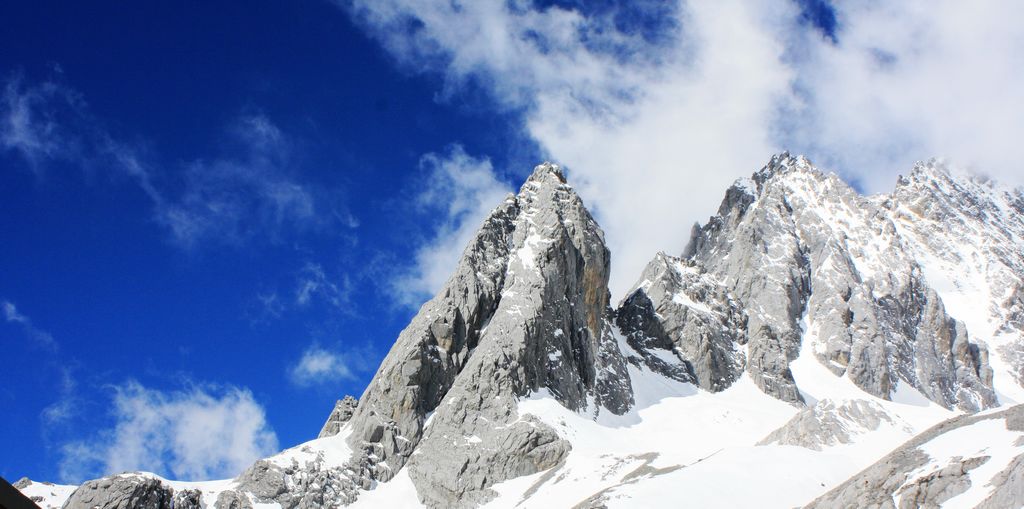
column 685, row 441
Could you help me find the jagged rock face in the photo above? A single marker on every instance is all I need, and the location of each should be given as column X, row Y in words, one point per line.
column 431, row 351
column 909, row 478
column 526, row 310
column 752, row 248
column 341, row 414
column 122, row 492
column 303, row 478
column 968, row 234
column 677, row 309
column 806, row 258
column 187, row 499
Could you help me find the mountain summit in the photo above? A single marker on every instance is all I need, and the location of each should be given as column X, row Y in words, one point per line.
column 806, row 332
column 796, row 263
column 526, row 310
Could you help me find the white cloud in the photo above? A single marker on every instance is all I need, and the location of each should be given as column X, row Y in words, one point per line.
column 461, row 190
column 60, row 411
column 318, row 366
column 911, row 80
column 39, row 336
column 197, row 434
column 653, row 129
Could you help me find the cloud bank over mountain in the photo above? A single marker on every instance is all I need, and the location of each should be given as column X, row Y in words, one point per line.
column 643, row 103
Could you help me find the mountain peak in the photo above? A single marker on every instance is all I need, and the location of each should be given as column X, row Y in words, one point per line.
column 819, row 268
column 782, row 164
column 546, row 171
column 930, row 171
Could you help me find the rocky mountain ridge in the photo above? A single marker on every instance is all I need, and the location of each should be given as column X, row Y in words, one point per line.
column 808, row 258
column 802, row 313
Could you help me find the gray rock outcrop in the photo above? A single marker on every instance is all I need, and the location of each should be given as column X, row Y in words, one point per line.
column 266, row 481
column 125, row 491
column 677, row 311
column 309, row 484
column 341, row 414
column 1007, row 487
column 231, row 499
column 187, row 499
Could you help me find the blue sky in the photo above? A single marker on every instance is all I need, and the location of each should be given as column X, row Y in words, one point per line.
column 88, row 260
column 218, row 217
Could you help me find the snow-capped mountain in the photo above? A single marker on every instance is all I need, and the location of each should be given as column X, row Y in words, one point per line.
column 785, row 358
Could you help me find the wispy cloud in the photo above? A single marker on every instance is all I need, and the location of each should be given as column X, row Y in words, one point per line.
column 654, row 118
column 460, row 190
column 29, row 122
column 312, row 287
column 268, row 305
column 319, row 366
column 199, row 433
column 248, row 191
column 313, row 283
column 67, row 405
column 37, row 335
column 47, row 122
column 233, row 198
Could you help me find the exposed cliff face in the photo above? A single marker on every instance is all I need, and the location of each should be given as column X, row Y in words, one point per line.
column 342, row 413
column 967, row 234
column 432, row 350
column 677, row 310
column 794, row 255
column 527, row 309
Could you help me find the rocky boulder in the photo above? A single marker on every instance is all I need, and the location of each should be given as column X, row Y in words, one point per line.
column 125, row 491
